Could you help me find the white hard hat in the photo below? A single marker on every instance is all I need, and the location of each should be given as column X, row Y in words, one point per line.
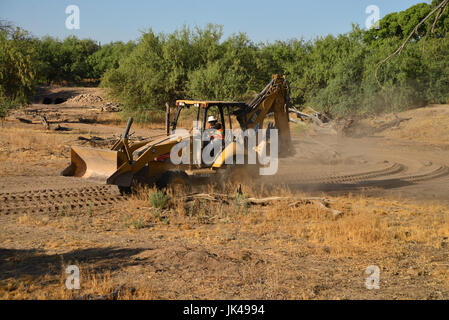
column 212, row 119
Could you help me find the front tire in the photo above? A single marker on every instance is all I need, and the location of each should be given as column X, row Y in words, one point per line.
column 125, row 190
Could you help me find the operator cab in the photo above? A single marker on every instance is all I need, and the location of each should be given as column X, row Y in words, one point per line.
column 221, row 110
column 208, row 116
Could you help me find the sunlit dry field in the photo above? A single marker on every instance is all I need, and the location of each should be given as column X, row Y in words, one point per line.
column 311, row 243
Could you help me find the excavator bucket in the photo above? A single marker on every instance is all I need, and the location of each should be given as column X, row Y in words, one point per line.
column 92, row 163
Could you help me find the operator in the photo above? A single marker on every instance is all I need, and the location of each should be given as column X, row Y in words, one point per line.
column 215, row 132
column 215, row 128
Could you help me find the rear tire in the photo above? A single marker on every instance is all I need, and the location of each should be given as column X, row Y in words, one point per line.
column 173, row 179
column 240, row 174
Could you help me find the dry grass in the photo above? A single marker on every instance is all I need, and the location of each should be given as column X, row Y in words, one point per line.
column 109, row 118
column 53, row 287
column 204, row 250
column 20, row 147
column 121, row 119
column 21, row 139
column 367, row 224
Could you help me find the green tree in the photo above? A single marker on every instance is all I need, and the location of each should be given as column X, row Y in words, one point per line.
column 66, row 60
column 401, row 24
column 108, row 57
column 231, row 76
column 157, row 70
column 17, row 73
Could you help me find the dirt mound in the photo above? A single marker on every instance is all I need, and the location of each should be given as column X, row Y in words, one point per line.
column 86, row 99
column 427, row 125
column 75, row 96
column 90, row 99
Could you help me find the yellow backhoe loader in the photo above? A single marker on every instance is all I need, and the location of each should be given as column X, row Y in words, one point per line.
column 148, row 162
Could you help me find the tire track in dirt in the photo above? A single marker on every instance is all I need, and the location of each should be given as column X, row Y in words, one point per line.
column 405, row 180
column 394, row 169
column 385, row 180
column 60, row 201
column 439, row 172
column 69, row 200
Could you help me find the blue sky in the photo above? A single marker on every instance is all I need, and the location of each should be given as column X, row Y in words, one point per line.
column 262, row 20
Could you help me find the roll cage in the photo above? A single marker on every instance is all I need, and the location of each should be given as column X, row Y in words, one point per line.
column 224, row 108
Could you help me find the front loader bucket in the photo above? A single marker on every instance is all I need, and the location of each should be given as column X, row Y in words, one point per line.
column 92, row 163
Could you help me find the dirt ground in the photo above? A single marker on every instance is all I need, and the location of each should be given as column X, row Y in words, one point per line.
column 385, row 181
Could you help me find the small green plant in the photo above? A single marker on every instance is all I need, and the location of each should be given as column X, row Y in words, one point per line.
column 138, row 224
column 135, row 223
column 199, row 210
column 165, row 220
column 202, row 209
column 159, row 199
column 3, row 111
column 156, row 214
column 63, row 211
column 191, row 211
column 203, row 214
column 241, row 204
column 90, row 208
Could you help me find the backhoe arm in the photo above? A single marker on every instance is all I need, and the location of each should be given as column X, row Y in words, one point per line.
column 273, row 99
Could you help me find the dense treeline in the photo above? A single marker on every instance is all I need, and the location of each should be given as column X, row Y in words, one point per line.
column 72, row 60
column 332, row 73
column 27, row 61
column 17, row 72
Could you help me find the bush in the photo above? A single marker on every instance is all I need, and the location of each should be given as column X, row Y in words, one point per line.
column 166, row 67
column 241, row 204
column 335, row 74
column 231, row 76
column 67, row 60
column 108, row 57
column 6, row 105
column 17, row 71
column 159, row 199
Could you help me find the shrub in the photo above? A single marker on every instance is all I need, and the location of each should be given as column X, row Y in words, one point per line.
column 241, row 204
column 166, row 67
column 159, row 199
column 66, row 60
column 335, row 74
column 17, row 72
